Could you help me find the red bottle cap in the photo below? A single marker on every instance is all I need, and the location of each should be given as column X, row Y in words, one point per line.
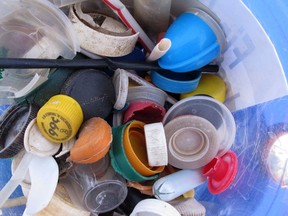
column 145, row 111
column 221, row 172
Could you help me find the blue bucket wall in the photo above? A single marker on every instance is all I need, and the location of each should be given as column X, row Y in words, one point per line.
column 253, row 192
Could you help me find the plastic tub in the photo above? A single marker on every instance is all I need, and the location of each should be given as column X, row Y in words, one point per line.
column 255, row 77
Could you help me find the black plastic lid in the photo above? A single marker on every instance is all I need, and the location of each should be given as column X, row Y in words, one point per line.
column 93, row 90
column 13, row 124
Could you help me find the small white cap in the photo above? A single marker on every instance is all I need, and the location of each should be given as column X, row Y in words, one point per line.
column 156, row 144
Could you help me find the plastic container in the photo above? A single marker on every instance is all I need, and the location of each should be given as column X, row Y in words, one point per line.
column 96, row 187
column 253, row 72
column 211, row 110
column 45, row 32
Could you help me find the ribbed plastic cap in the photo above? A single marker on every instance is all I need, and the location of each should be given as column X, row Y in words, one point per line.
column 60, row 118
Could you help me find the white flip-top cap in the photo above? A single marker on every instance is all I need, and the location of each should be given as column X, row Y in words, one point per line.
column 154, row 207
column 36, row 143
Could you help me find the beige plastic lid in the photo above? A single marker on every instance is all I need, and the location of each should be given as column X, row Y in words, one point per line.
column 192, row 142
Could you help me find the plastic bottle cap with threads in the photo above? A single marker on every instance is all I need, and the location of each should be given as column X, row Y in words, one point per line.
column 60, row 118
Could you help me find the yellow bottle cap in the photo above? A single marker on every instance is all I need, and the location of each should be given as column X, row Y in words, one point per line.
column 60, row 118
column 210, row 85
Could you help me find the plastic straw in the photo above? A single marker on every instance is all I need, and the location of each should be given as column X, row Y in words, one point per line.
column 26, row 63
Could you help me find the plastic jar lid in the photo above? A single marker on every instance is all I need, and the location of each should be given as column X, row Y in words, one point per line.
column 189, row 141
column 36, row 143
column 135, row 148
column 148, row 93
column 210, row 85
column 145, row 111
column 12, row 128
column 192, row 142
column 119, row 158
column 60, row 118
column 91, row 147
column 176, row 82
column 211, row 110
column 154, row 207
column 93, row 90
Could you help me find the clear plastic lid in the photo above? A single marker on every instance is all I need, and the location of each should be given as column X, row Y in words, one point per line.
column 211, row 110
column 105, row 196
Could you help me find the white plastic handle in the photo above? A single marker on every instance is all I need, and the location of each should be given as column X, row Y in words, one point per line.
column 16, row 178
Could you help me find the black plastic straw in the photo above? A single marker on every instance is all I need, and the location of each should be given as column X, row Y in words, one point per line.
column 25, row 63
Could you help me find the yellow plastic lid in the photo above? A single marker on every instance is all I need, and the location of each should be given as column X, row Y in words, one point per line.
column 210, row 85
column 60, row 118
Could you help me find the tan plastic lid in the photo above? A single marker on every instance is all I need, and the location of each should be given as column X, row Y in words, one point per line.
column 192, row 142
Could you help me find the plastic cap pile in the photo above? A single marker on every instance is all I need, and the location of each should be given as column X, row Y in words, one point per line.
column 132, row 142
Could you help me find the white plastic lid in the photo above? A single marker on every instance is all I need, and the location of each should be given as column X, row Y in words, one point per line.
column 36, row 143
column 154, row 207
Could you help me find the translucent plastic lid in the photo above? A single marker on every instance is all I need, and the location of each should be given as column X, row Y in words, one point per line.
column 39, row 19
column 105, row 196
column 211, row 110
column 32, row 29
